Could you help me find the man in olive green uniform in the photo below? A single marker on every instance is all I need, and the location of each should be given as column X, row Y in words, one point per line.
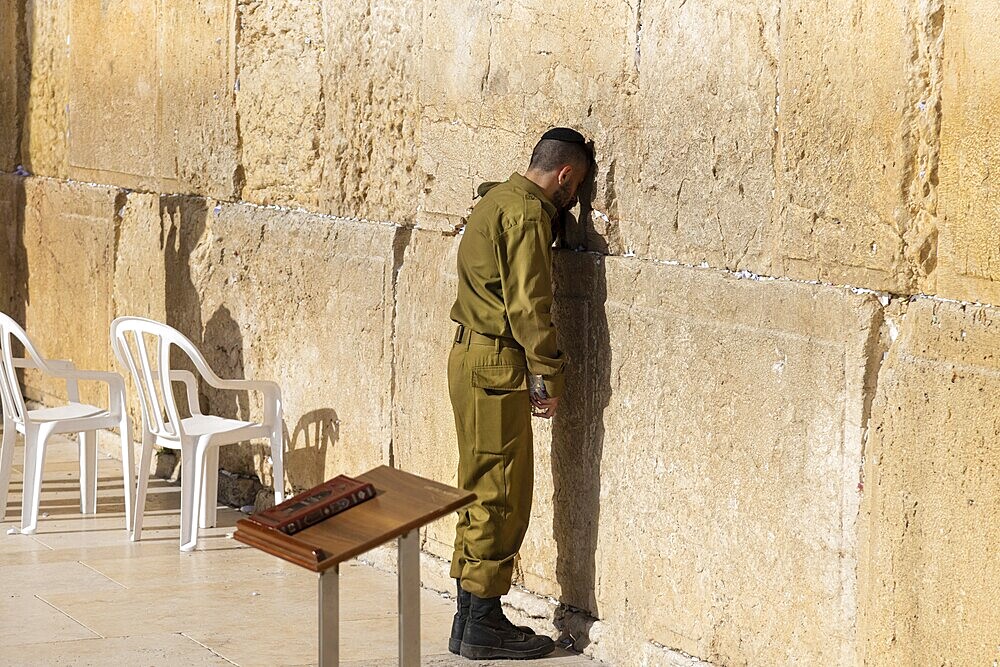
column 505, row 344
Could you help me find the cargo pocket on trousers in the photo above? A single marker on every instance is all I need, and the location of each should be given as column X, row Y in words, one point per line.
column 502, row 406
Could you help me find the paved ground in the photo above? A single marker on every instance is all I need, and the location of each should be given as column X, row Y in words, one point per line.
column 79, row 593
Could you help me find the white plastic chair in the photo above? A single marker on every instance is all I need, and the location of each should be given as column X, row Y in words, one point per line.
column 199, row 436
column 39, row 425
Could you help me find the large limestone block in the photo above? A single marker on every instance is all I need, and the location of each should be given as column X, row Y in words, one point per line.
column 70, row 242
column 495, row 76
column 856, row 153
column 301, row 299
column 151, row 95
column 372, row 104
column 329, row 106
column 731, row 444
column 45, row 126
column 10, row 113
column 930, row 575
column 705, row 113
column 280, row 101
column 970, row 148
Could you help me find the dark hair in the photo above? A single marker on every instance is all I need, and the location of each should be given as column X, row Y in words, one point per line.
column 551, row 154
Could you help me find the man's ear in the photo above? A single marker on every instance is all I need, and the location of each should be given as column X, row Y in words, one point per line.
column 564, row 174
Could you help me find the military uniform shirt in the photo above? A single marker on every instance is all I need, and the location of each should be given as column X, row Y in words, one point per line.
column 505, row 274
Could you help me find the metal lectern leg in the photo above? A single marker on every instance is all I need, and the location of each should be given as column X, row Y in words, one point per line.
column 329, row 617
column 409, row 599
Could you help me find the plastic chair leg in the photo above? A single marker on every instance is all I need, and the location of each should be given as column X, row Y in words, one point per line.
column 88, row 472
column 35, row 444
column 192, row 479
column 278, row 463
column 128, row 472
column 210, row 489
column 145, row 458
column 6, row 464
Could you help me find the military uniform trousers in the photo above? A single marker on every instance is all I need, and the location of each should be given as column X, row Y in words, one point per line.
column 486, row 381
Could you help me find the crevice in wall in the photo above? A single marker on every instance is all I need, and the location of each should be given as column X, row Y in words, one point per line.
column 121, row 201
column 23, row 83
column 675, row 656
column 921, row 139
column 239, row 173
column 638, row 33
column 399, row 245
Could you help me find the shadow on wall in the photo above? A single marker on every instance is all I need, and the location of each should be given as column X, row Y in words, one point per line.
column 316, row 433
column 15, row 280
column 220, row 340
column 578, row 432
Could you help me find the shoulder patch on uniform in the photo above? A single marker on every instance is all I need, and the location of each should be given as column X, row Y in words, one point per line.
column 524, row 210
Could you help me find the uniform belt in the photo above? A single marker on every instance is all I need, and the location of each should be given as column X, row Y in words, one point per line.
column 464, row 334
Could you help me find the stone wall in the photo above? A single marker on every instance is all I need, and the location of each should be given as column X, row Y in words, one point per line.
column 779, row 440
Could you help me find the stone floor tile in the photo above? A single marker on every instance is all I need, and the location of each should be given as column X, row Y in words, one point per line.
column 28, row 620
column 155, row 650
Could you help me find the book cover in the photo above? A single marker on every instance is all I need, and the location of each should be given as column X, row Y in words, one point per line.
column 316, row 504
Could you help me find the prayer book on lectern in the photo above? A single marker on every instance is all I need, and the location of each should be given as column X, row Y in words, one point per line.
column 318, row 503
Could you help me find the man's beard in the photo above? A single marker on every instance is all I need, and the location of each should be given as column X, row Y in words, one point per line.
column 563, row 199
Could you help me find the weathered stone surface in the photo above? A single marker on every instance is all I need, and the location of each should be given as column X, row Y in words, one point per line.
column 45, row 125
column 704, row 113
column 930, row 575
column 970, row 148
column 69, row 240
column 855, row 116
column 10, row 111
column 165, row 117
column 329, row 111
column 371, row 96
column 280, row 101
column 730, row 454
column 300, row 299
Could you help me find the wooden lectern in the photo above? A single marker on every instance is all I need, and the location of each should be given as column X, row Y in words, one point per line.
column 403, row 503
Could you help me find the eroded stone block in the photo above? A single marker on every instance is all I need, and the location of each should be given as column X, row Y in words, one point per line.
column 929, row 579
column 280, row 101
column 704, row 417
column 10, row 113
column 705, row 116
column 371, row 99
column 970, row 199
column 46, row 116
column 855, row 157
column 301, row 299
column 164, row 117
column 69, row 241
column 730, row 447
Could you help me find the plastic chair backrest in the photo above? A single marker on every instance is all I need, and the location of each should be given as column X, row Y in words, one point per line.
column 10, row 388
column 156, row 397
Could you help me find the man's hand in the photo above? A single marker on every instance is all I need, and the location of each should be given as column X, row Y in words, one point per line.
column 544, row 407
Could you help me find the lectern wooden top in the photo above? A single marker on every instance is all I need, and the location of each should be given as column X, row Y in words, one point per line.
column 403, row 502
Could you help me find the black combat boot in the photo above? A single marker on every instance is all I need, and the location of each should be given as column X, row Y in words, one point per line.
column 489, row 635
column 462, row 615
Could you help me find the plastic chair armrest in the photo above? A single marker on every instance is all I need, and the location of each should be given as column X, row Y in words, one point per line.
column 116, row 385
column 190, row 387
column 58, row 364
